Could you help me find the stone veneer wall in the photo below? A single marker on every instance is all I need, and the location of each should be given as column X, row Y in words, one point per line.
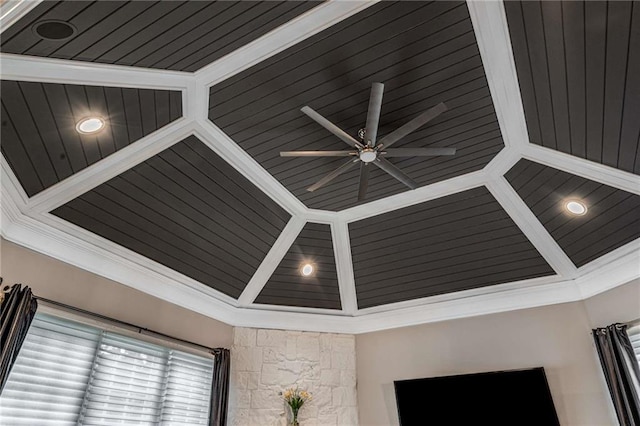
column 265, row 362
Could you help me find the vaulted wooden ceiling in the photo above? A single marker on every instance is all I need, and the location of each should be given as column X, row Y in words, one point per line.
column 199, row 98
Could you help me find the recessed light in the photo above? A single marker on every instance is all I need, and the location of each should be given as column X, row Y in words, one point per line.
column 575, row 207
column 307, row 269
column 54, row 30
column 90, row 125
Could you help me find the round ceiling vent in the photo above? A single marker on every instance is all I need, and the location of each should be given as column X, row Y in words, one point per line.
column 54, row 30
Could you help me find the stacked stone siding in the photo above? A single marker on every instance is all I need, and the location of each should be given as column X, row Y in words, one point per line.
column 265, row 362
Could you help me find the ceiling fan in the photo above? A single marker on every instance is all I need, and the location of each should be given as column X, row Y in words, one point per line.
column 369, row 151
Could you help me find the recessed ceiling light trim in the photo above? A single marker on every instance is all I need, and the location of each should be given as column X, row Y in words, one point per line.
column 307, row 270
column 90, row 125
column 575, row 207
column 54, row 30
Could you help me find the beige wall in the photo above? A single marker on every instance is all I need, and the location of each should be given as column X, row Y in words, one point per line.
column 59, row 281
column 555, row 337
column 622, row 304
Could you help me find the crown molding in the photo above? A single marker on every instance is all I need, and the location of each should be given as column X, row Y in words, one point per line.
column 296, row 309
column 484, row 304
column 58, row 239
column 611, row 270
column 464, row 294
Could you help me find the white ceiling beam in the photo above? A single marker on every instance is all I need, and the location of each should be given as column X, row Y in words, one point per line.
column 110, row 167
column 503, row 162
column 190, row 98
column 277, row 40
column 415, row 196
column 271, row 260
column 321, row 216
column 48, row 70
column 226, row 148
column 344, row 267
column 531, row 227
column 584, row 168
column 12, row 187
column 492, row 35
column 12, row 11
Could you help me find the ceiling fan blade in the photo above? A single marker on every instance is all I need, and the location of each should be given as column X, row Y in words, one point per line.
column 331, row 127
column 364, row 180
column 417, row 152
column 331, row 176
column 414, row 124
column 395, row 172
column 317, row 153
column 373, row 114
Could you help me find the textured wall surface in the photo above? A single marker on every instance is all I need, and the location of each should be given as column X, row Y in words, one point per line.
column 265, row 362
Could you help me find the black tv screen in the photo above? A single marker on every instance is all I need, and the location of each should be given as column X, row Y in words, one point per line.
column 517, row 397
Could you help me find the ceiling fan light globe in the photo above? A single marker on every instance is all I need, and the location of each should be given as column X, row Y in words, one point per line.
column 368, row 156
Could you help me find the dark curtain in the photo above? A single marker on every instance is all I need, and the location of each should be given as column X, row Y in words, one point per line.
column 621, row 371
column 16, row 313
column 220, row 388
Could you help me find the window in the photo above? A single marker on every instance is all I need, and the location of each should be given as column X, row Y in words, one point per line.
column 72, row 373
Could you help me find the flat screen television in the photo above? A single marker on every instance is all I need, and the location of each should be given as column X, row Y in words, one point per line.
column 516, row 397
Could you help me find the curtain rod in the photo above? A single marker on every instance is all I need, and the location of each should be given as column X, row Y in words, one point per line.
column 633, row 323
column 124, row 323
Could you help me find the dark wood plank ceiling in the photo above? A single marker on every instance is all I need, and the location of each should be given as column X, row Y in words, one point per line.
column 424, row 53
column 578, row 64
column 458, row 242
column 39, row 138
column 173, row 35
column 287, row 286
column 189, row 210
column 612, row 219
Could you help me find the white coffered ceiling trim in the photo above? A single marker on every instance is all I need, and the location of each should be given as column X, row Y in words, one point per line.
column 110, row 167
column 279, row 39
column 584, row 168
column 12, row 11
column 271, row 261
column 27, row 221
column 531, row 227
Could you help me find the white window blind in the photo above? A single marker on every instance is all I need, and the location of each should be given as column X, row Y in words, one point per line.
column 70, row 373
